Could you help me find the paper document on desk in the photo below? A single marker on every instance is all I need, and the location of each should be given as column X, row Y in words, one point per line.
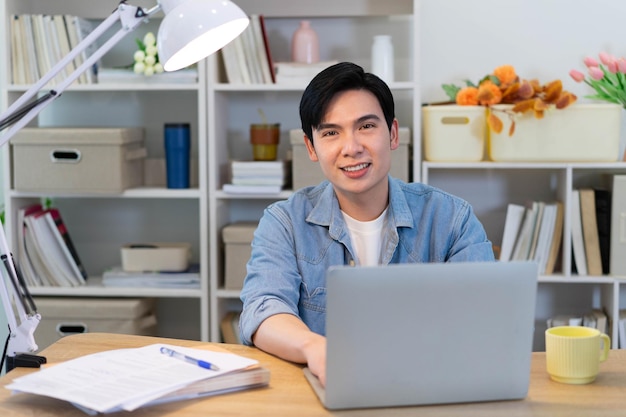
column 126, row 379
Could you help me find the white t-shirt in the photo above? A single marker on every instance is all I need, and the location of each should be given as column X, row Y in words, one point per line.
column 366, row 238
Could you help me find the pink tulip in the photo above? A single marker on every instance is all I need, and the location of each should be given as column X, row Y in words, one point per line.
column 590, row 62
column 605, row 58
column 577, row 75
column 596, row 73
column 612, row 67
column 621, row 65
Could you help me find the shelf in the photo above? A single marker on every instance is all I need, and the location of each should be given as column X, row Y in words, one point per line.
column 94, row 288
column 143, row 192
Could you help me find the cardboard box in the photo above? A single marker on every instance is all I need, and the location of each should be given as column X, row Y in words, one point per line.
column 578, row 133
column 63, row 316
column 454, row 133
column 305, row 172
column 237, row 239
column 78, row 160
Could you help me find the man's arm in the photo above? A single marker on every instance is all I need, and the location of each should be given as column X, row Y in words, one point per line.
column 287, row 337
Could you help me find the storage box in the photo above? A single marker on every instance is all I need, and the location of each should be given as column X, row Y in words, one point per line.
column 578, row 133
column 305, row 172
column 63, row 316
column 81, row 160
column 237, row 239
column 454, row 133
column 156, row 256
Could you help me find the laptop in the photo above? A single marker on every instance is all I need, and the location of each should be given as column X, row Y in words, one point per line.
column 435, row 333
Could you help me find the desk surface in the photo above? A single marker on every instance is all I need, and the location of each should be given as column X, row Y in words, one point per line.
column 289, row 394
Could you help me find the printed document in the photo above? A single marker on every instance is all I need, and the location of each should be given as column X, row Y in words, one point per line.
column 125, row 379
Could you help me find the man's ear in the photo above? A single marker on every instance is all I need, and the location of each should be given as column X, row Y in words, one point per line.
column 310, row 149
column 395, row 138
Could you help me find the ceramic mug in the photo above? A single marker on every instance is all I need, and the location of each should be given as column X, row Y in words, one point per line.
column 574, row 353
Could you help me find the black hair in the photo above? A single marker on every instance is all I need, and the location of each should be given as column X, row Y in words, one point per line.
column 335, row 79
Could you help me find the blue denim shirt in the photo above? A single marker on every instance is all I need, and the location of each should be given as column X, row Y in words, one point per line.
column 298, row 239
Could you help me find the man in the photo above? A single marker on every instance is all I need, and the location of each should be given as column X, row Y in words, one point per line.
column 360, row 216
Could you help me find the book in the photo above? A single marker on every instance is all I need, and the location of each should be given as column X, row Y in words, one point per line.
column 578, row 242
column 18, row 72
column 537, row 227
column 514, row 217
column 32, row 66
column 268, row 52
column 557, row 238
column 251, row 189
column 545, row 234
column 601, row 320
column 521, row 250
column 230, row 327
column 617, row 261
column 295, row 73
column 259, row 47
column 66, row 241
column 603, row 220
column 23, row 258
column 53, row 251
column 590, row 231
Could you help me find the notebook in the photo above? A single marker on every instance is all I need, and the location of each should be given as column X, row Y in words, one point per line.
column 436, row 333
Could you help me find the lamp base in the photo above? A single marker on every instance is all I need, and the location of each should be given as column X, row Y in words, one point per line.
column 24, row 360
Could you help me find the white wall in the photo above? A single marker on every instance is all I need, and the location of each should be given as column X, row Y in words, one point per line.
column 542, row 39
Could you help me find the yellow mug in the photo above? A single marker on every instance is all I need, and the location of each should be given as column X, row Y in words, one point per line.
column 574, row 353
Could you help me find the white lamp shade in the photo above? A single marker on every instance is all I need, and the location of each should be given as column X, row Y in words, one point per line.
column 194, row 29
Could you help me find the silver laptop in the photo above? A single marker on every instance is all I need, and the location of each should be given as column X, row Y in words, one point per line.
column 436, row 333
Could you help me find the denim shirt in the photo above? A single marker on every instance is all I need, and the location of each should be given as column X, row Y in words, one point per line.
column 299, row 238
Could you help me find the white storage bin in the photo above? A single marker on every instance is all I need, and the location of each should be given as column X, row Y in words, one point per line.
column 454, row 133
column 578, row 133
column 78, row 160
column 63, row 316
column 156, row 256
column 305, row 172
column 237, row 239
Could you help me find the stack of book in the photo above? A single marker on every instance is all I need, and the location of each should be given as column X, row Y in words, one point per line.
column 257, row 177
column 296, row 73
column 118, row 277
column 533, row 232
column 39, row 42
column 46, row 254
column 596, row 318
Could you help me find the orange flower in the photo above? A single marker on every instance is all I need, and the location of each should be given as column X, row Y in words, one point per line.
column 489, row 93
column 506, row 74
column 467, row 96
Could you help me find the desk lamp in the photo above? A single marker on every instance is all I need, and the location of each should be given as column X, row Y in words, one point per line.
column 190, row 31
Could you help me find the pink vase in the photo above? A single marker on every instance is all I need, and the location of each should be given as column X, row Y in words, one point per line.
column 305, row 47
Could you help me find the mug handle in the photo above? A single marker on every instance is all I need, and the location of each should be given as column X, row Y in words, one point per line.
column 606, row 345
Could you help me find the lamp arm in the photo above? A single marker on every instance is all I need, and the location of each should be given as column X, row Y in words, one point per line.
column 20, row 112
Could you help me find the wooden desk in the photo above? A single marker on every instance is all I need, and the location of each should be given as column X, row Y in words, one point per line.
column 289, row 394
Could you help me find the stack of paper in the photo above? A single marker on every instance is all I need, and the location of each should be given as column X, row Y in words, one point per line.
column 126, row 379
column 118, row 277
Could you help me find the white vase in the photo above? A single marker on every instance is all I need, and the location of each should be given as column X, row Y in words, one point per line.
column 382, row 58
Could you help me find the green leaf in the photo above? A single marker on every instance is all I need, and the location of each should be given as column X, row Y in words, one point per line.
column 140, row 44
column 469, row 83
column 451, row 90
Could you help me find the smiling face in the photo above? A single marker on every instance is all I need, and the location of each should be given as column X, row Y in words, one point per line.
column 353, row 146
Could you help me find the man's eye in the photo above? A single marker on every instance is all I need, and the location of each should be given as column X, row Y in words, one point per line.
column 329, row 133
column 368, row 126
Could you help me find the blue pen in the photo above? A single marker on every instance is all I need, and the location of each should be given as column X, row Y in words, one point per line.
column 189, row 359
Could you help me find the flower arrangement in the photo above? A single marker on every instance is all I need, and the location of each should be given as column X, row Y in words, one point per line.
column 607, row 78
column 146, row 57
column 504, row 86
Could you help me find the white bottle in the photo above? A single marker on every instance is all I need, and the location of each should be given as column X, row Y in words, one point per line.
column 382, row 57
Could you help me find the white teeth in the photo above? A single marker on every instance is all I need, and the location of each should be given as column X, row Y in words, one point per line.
column 355, row 168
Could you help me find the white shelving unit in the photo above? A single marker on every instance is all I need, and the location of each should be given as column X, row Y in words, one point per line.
column 346, row 31
column 490, row 186
column 101, row 224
